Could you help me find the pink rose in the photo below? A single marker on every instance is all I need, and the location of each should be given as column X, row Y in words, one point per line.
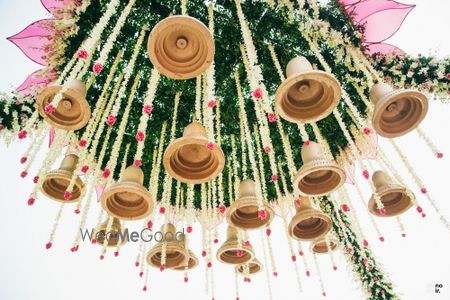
column 257, row 93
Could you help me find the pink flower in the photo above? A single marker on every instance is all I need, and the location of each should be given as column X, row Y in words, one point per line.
column 84, row 169
column 49, row 109
column 293, row 258
column 388, row 78
column 345, row 208
column 267, row 150
column 365, row 243
column 439, row 155
column 262, row 214
column 425, row 85
column 144, row 288
column 382, row 211
column 367, row 130
column 308, row 273
column 137, row 162
column 82, row 143
column 162, row 268
column 97, row 68
column 22, row 134
column 2, row 127
column 106, row 173
column 77, row 211
column 419, row 209
column 162, row 210
column 186, row 279
column 239, row 253
column 203, row 253
column 24, row 174
column 257, row 93
column 147, row 109
column 423, row 190
column 48, row 245
column 111, row 120
column 366, row 174
column 83, row 54
column 395, row 87
column 275, row 274
column 150, row 224
column 216, row 241
column 222, row 209
column 23, row 160
column 210, row 263
column 247, row 244
column 212, row 103
column 210, row 146
column 67, row 195
column 300, row 253
column 298, row 202
column 407, row 85
column 35, row 179
column 381, row 239
column 447, row 76
column 268, row 231
column 306, row 143
column 140, row 136
column 189, row 229
column 272, row 117
column 274, row 178
column 31, row 201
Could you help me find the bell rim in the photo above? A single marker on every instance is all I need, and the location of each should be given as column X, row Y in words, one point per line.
column 304, row 215
column 69, row 93
column 170, row 246
column 246, row 202
column 194, row 258
column 332, row 239
column 384, row 101
column 288, row 82
column 190, row 140
column 313, row 166
column 232, row 245
column 62, row 174
column 200, row 28
column 253, row 261
column 128, row 186
column 389, row 188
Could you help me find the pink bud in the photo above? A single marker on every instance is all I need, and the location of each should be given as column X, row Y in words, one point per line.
column 162, row 210
column 22, row 134
column 367, row 130
column 49, row 109
column 77, row 211
column 222, row 209
column 67, row 195
column 48, row 245
column 137, row 162
column 210, row 146
column 97, row 68
column 147, row 109
column 274, row 178
column 262, row 214
column 24, row 174
column 83, row 54
column 149, row 224
column 203, row 253
column 23, row 160
column 82, row 143
column 31, row 201
column 189, row 229
column 272, row 117
column 345, row 208
column 140, row 136
column 268, row 231
column 257, row 93
column 35, row 179
column 211, row 104
column 366, row 174
column 111, row 120
column 84, row 169
column 439, row 155
column 106, row 173
column 267, row 150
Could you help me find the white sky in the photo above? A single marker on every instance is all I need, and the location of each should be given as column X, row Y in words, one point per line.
column 415, row 263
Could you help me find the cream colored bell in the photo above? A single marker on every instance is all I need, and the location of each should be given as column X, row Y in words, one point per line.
column 253, row 267
column 191, row 262
column 73, row 111
column 181, row 47
column 244, row 212
column 317, row 176
column 176, row 254
column 56, row 182
column 229, row 251
column 308, row 223
column 394, row 197
column 128, row 199
column 319, row 246
column 113, row 236
column 397, row 112
column 306, row 95
column 188, row 159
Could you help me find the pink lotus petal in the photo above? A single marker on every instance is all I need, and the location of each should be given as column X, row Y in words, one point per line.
column 99, row 190
column 35, row 81
column 51, row 136
column 32, row 40
column 383, row 24
column 349, row 2
column 364, row 9
column 384, row 48
column 53, row 5
column 350, row 173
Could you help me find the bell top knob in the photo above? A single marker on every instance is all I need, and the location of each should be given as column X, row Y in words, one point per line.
column 380, row 179
column 133, row 174
column 169, row 227
column 312, row 151
column 78, row 86
column 231, row 233
column 305, row 203
column 246, row 188
column 378, row 91
column 69, row 163
column 298, row 65
column 194, row 129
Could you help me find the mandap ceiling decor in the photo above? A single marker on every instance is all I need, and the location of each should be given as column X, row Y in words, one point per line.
column 232, row 111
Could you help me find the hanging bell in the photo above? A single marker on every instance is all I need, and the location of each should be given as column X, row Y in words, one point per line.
column 181, row 47
column 114, row 236
column 128, row 199
column 396, row 112
column 190, row 263
column 190, row 160
column 73, row 111
column 231, row 253
column 319, row 246
column 306, row 95
column 394, row 197
column 56, row 182
column 308, row 223
column 176, row 254
column 254, row 266
column 244, row 212
column 317, row 176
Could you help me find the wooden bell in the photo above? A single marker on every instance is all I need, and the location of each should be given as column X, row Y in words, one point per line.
column 192, row 260
column 128, row 199
column 231, row 253
column 318, row 175
column 56, row 182
column 176, row 254
column 113, row 237
column 397, row 112
column 254, row 266
column 308, row 223
column 306, row 95
column 188, row 159
column 319, row 246
column 73, row 111
column 244, row 212
column 394, row 197
column 181, row 47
